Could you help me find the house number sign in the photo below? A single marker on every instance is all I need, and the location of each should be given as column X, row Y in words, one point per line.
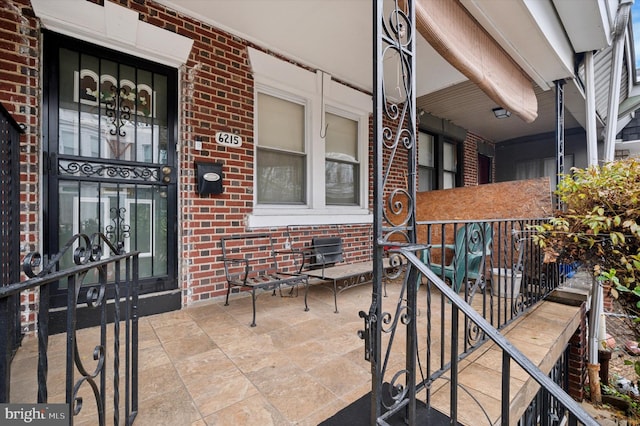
column 228, row 139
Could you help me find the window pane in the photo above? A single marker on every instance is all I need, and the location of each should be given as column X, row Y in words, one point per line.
column 341, row 156
column 448, row 180
column 449, row 157
column 281, row 177
column 280, row 123
column 425, row 149
column 341, row 183
column 425, row 178
column 342, row 138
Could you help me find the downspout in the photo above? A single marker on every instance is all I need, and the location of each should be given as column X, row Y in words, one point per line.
column 619, row 32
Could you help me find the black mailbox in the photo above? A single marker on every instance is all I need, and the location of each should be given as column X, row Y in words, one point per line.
column 209, row 178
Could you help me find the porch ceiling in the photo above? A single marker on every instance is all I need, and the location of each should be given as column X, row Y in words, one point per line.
column 336, row 37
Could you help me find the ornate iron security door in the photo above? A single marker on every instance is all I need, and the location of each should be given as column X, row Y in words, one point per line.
column 110, row 147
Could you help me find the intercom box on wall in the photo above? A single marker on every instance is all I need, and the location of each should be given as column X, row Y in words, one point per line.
column 209, row 178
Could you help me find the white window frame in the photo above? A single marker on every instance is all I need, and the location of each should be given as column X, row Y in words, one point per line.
column 319, row 93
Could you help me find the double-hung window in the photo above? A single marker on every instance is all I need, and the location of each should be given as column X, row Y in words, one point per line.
column 281, row 155
column 311, row 147
column 437, row 162
column 341, row 164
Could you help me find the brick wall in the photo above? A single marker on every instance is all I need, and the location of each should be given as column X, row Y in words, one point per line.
column 470, row 160
column 19, row 93
column 578, row 358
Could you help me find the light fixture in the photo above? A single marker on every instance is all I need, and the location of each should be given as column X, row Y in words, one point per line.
column 501, row 112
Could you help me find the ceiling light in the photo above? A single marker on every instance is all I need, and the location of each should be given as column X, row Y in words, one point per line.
column 501, row 113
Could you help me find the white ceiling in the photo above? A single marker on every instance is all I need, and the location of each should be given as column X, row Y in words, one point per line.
column 336, row 36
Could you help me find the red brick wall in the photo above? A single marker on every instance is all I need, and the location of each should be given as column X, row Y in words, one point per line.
column 578, row 358
column 19, row 93
column 470, row 160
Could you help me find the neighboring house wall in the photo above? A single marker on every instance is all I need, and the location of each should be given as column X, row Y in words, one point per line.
column 631, row 131
column 216, row 94
column 631, row 135
column 474, row 145
column 516, row 153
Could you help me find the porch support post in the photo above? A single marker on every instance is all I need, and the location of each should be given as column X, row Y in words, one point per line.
column 620, row 29
column 559, row 134
column 592, row 138
column 375, row 345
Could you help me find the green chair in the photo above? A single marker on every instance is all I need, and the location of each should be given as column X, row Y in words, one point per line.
column 472, row 245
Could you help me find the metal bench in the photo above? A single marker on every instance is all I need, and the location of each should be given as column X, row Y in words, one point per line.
column 324, row 258
column 250, row 261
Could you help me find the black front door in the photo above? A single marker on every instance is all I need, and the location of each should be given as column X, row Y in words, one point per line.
column 110, row 161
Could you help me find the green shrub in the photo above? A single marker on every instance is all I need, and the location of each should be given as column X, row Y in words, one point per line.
column 599, row 225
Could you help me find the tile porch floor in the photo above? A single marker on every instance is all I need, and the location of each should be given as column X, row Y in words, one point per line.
column 206, row 366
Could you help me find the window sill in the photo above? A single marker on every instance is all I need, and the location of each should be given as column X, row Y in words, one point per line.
column 269, row 218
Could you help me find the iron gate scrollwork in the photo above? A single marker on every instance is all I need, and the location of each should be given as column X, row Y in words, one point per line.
column 394, row 204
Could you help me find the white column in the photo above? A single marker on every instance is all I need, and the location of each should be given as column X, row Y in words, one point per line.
column 592, row 137
column 622, row 18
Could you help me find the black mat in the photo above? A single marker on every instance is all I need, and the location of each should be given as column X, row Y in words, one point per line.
column 358, row 414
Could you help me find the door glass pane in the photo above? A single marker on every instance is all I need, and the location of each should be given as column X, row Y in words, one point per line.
column 81, row 212
column 160, row 117
column 160, row 231
column 68, row 129
column 89, row 106
column 144, row 118
column 143, row 213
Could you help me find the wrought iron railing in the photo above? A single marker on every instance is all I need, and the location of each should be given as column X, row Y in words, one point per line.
column 493, row 264
column 398, row 394
column 113, row 373
column 544, row 408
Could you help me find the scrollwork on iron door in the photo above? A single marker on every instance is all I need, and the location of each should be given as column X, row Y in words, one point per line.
column 118, row 230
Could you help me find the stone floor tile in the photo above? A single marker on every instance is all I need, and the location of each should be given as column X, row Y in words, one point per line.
column 255, row 410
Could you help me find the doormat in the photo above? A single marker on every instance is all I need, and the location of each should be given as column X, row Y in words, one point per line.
column 358, row 414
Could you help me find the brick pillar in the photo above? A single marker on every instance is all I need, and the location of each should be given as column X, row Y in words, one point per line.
column 607, row 297
column 578, row 358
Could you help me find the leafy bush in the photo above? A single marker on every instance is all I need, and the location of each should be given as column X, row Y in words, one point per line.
column 599, row 226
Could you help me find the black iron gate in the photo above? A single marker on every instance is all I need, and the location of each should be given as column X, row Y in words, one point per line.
column 9, row 233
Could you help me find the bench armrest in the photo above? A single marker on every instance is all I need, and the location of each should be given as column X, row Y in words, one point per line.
column 237, row 261
column 296, row 254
